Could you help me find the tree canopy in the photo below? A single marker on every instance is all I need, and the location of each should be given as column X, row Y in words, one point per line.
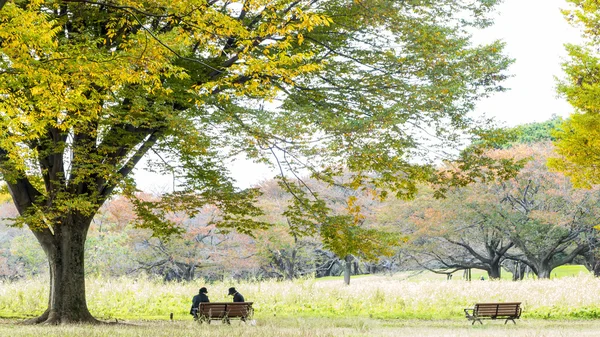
column 578, row 141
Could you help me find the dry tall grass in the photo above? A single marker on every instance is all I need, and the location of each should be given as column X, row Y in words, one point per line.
column 369, row 297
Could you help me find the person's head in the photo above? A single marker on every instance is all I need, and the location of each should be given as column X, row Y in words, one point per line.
column 232, row 291
column 203, row 290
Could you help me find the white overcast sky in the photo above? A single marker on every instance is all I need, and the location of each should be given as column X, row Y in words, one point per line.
column 534, row 31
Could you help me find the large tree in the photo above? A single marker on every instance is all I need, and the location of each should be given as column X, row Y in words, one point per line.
column 578, row 139
column 89, row 88
column 544, row 216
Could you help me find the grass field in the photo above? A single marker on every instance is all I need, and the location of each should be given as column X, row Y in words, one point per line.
column 402, row 296
column 405, row 304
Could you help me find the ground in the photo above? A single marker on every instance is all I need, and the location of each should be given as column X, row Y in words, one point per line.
column 316, row 327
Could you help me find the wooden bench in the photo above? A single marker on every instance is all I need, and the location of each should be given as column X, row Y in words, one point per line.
column 224, row 311
column 508, row 311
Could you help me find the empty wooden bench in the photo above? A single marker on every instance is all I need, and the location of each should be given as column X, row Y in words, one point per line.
column 508, row 311
column 224, row 311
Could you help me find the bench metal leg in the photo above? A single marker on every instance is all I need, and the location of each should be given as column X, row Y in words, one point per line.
column 511, row 319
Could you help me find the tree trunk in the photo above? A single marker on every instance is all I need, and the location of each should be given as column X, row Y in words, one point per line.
column 519, row 271
column 348, row 268
column 592, row 263
column 292, row 265
column 495, row 271
column 596, row 270
column 65, row 252
column 467, row 274
column 544, row 272
column 356, row 268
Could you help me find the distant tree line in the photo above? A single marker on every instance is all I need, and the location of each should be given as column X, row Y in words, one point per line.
column 115, row 247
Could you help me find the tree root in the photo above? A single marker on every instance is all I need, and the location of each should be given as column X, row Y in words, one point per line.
column 53, row 318
column 37, row 320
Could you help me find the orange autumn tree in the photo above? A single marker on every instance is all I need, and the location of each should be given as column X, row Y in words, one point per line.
column 536, row 218
column 202, row 248
column 89, row 88
column 460, row 232
column 548, row 220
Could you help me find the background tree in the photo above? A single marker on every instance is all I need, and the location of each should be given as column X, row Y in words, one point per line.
column 358, row 236
column 537, row 132
column 89, row 88
column 202, row 249
column 462, row 231
column 544, row 216
column 285, row 254
column 345, row 211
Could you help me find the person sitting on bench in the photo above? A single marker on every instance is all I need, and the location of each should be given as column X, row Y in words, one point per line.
column 237, row 297
column 201, row 297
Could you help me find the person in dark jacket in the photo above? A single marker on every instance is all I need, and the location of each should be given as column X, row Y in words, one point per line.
column 237, row 297
column 201, row 297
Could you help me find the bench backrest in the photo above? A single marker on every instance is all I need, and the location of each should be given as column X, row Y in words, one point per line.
column 222, row 309
column 497, row 309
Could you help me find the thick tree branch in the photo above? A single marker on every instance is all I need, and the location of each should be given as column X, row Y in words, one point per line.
column 105, row 188
column 51, row 159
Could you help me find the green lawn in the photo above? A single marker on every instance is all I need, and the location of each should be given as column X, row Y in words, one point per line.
column 569, row 271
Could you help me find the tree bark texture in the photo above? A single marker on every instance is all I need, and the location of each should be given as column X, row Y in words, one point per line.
column 65, row 252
